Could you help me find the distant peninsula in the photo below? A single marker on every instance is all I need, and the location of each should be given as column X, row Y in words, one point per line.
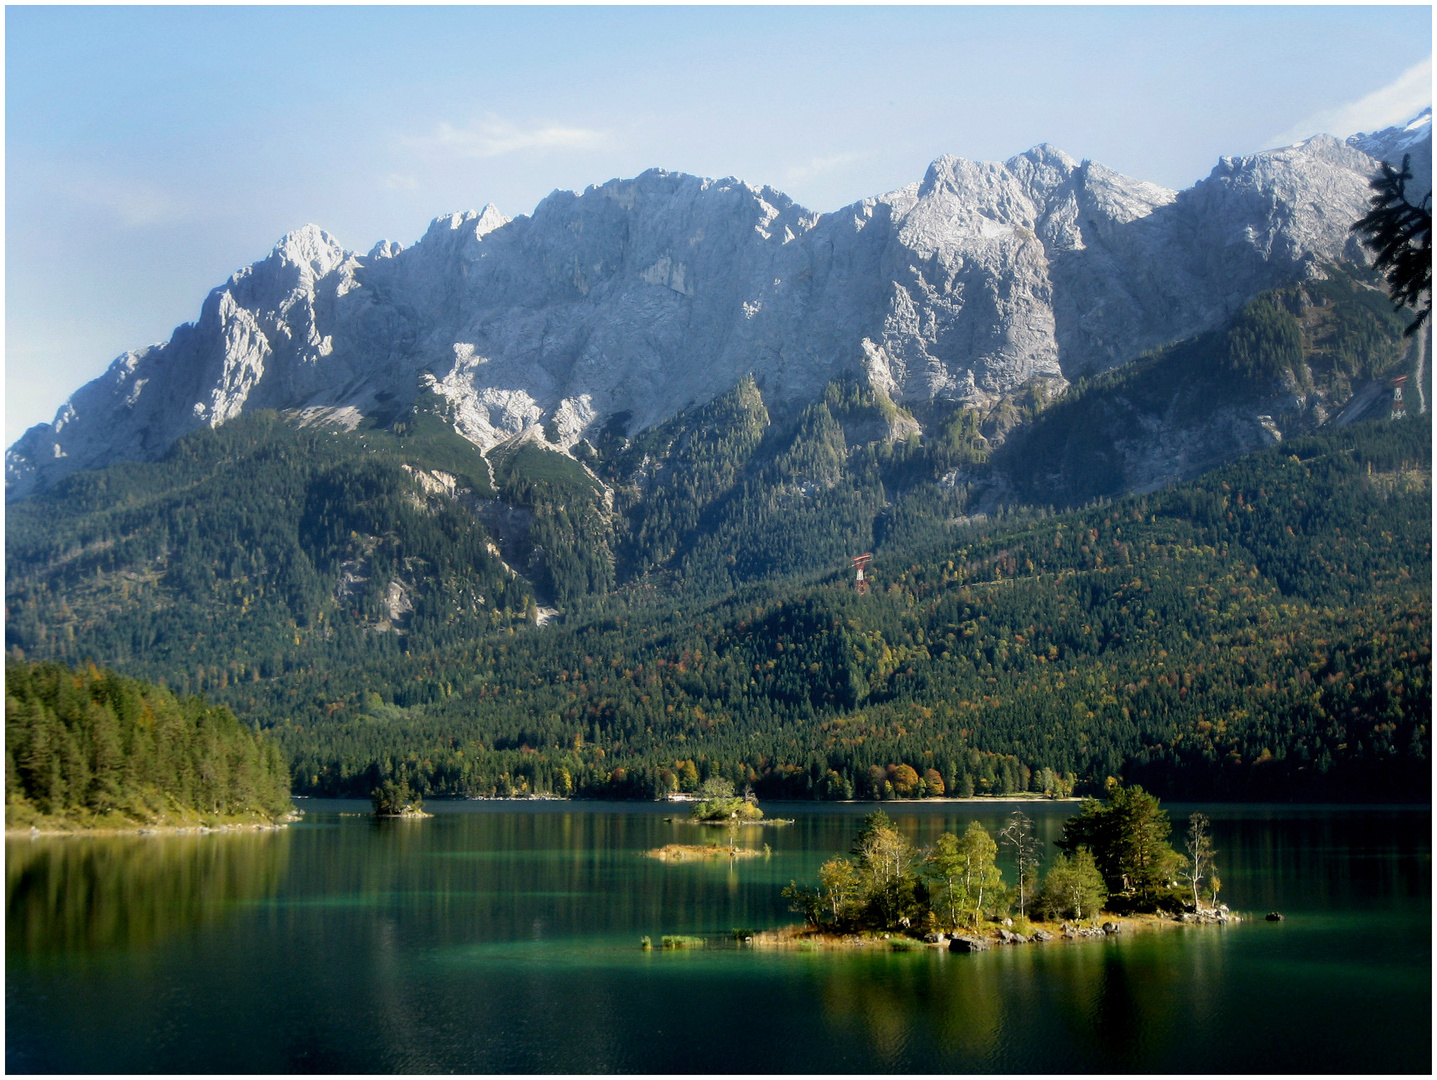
column 90, row 750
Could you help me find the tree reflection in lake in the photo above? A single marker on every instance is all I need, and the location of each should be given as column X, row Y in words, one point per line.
column 87, row 893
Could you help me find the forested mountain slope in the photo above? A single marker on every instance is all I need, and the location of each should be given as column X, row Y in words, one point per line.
column 273, row 539
column 1262, row 632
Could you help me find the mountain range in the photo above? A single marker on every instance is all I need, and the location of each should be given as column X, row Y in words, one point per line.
column 620, row 307
column 569, row 503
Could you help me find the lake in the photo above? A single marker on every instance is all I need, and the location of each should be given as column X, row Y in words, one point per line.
column 505, row 937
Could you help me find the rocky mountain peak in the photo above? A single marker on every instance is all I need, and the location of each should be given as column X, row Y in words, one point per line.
column 311, row 249
column 474, row 223
column 638, row 298
column 1392, row 144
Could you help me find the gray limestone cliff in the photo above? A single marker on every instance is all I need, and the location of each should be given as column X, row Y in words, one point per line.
column 637, row 298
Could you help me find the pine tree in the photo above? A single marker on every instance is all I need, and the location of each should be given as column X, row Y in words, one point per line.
column 1399, row 234
column 1128, row 837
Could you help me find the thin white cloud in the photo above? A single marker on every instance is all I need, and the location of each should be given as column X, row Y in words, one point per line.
column 1395, row 103
column 495, row 137
column 135, row 203
column 400, row 182
column 818, row 166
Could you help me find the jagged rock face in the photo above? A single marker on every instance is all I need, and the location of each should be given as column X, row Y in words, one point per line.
column 644, row 296
column 1392, row 144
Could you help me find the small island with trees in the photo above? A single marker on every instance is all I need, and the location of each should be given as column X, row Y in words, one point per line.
column 1114, row 863
column 391, row 800
column 718, row 805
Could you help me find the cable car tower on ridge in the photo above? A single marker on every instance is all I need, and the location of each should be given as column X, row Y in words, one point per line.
column 860, row 583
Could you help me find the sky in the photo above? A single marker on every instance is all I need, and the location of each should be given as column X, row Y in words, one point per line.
column 151, row 152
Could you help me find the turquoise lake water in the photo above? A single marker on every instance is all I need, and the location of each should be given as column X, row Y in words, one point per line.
column 504, row 937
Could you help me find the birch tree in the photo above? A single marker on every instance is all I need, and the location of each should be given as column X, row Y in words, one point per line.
column 1200, row 858
column 980, row 874
column 1018, row 836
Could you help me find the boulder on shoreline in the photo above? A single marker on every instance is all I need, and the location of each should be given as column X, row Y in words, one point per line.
column 965, row 944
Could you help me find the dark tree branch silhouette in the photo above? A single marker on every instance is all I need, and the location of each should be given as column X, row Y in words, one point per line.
column 1399, row 234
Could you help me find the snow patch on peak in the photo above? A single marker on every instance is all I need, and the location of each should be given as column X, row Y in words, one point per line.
column 385, row 249
column 1408, row 134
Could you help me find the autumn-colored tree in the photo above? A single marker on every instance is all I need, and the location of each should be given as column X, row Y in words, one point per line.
column 688, row 776
column 904, row 779
column 933, row 781
column 841, row 886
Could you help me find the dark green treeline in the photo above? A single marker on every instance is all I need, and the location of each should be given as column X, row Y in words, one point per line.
column 91, row 747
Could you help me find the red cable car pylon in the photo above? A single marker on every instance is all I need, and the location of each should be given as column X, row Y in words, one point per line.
column 859, row 562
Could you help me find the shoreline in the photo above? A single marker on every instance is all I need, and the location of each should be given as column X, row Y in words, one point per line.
column 967, row 799
column 801, row 938
column 1016, row 797
column 1025, row 797
column 35, row 832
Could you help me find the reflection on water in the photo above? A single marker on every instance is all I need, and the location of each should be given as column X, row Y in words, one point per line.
column 1094, row 1001
column 504, row 938
column 91, row 893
